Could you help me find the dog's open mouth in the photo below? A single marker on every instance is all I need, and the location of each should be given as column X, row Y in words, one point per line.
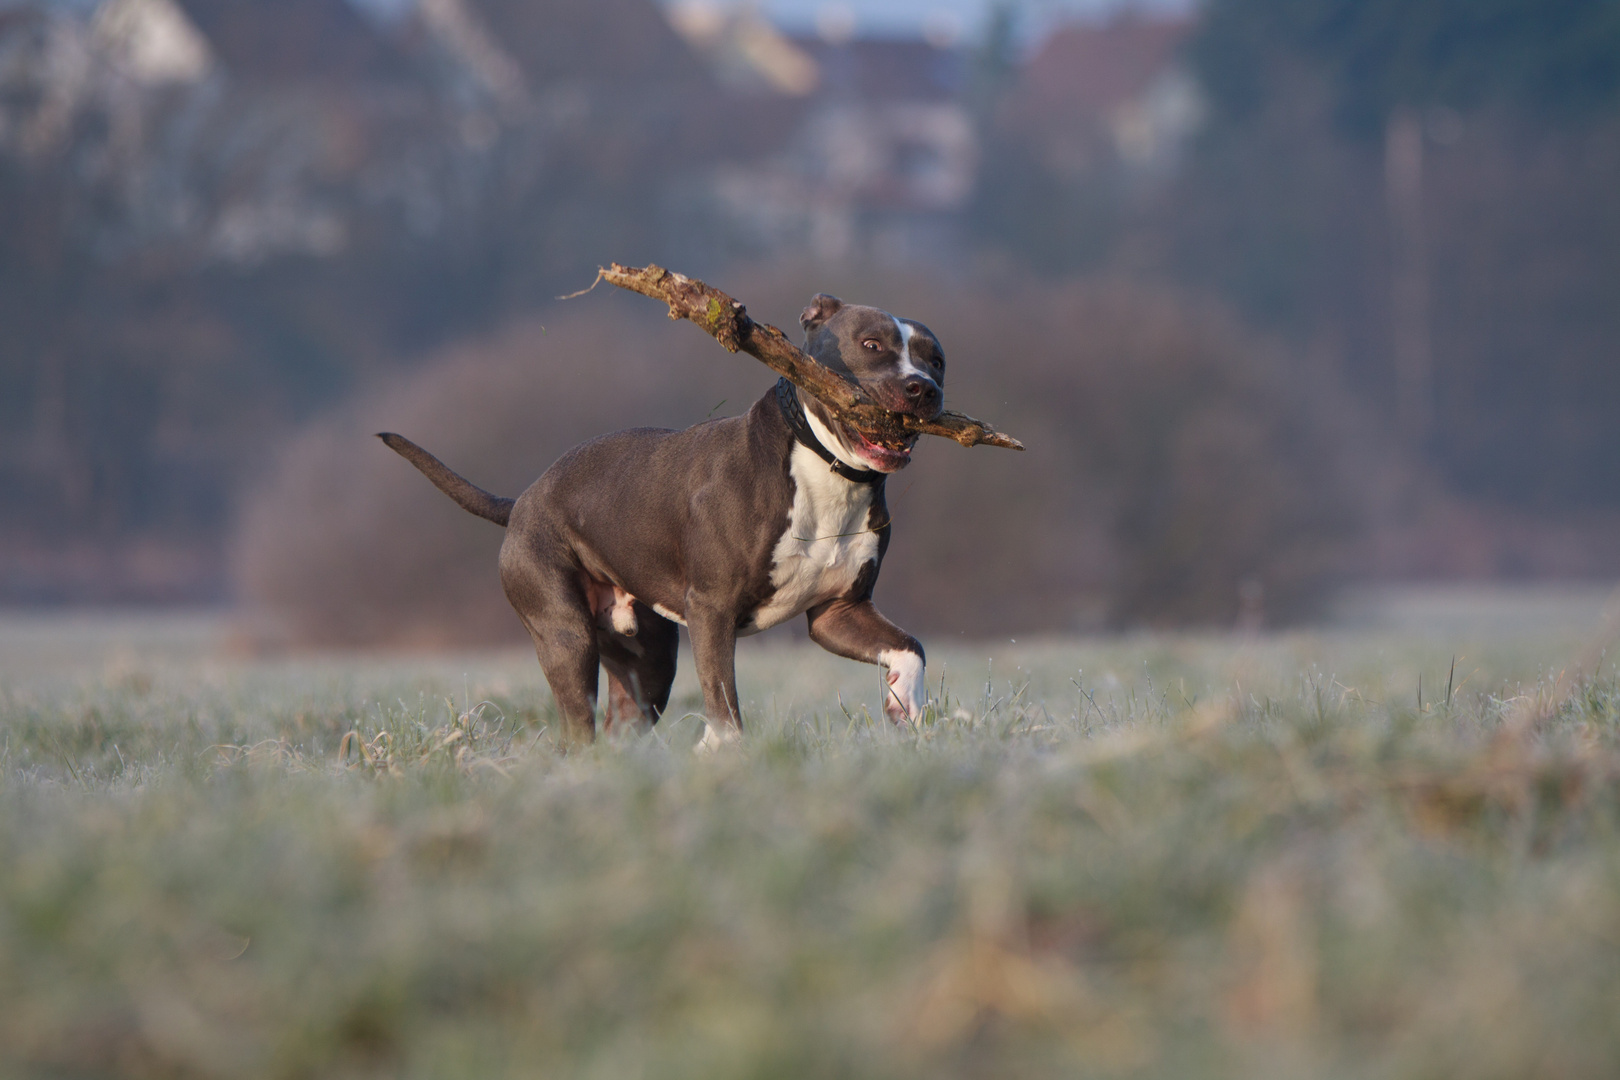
column 883, row 452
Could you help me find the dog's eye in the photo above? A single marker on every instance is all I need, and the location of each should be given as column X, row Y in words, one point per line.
column 872, row 344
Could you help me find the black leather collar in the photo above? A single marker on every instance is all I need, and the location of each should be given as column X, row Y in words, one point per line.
column 787, row 399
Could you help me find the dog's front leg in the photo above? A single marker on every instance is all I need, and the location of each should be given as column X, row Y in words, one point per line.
column 714, row 651
column 857, row 630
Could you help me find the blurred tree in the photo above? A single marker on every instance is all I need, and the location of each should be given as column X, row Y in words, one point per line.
column 995, row 62
column 1553, row 57
column 1383, row 64
column 1428, row 191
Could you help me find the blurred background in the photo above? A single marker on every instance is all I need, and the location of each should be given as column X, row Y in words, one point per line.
column 1285, row 296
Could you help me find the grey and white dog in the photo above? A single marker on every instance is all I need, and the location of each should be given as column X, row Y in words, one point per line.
column 728, row 528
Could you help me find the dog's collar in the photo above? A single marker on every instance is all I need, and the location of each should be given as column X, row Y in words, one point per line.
column 793, row 412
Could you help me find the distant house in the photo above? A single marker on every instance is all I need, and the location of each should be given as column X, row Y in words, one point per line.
column 152, row 40
column 246, row 131
column 878, row 156
column 1109, row 97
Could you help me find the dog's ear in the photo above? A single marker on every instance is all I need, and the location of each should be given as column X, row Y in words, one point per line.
column 822, row 307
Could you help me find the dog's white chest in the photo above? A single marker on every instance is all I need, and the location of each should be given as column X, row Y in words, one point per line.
column 828, row 539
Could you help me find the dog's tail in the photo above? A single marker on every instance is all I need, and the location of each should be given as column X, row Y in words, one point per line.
column 468, row 496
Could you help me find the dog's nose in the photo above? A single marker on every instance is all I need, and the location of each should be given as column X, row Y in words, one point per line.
column 922, row 391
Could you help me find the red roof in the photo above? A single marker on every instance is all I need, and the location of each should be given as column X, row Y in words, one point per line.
column 1097, row 67
column 887, row 69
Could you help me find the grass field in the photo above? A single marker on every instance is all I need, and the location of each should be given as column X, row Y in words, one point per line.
column 1150, row 856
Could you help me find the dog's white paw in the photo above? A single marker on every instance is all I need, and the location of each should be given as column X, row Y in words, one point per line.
column 716, row 736
column 904, row 675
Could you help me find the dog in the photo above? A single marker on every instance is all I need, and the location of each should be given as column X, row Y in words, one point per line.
column 728, row 528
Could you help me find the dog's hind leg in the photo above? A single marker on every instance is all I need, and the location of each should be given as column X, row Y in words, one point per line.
column 552, row 604
column 569, row 659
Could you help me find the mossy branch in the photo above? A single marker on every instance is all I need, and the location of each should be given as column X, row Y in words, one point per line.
column 727, row 321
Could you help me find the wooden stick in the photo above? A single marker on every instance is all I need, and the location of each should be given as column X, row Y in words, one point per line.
column 727, row 322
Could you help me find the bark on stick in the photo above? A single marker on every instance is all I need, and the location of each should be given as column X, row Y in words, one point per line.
column 727, row 321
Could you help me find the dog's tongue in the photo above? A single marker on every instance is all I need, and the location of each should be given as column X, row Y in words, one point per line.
column 886, row 458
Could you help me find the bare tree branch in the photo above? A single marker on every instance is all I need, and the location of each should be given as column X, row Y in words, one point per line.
column 728, row 322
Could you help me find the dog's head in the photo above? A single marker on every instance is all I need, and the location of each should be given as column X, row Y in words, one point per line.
column 898, row 362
